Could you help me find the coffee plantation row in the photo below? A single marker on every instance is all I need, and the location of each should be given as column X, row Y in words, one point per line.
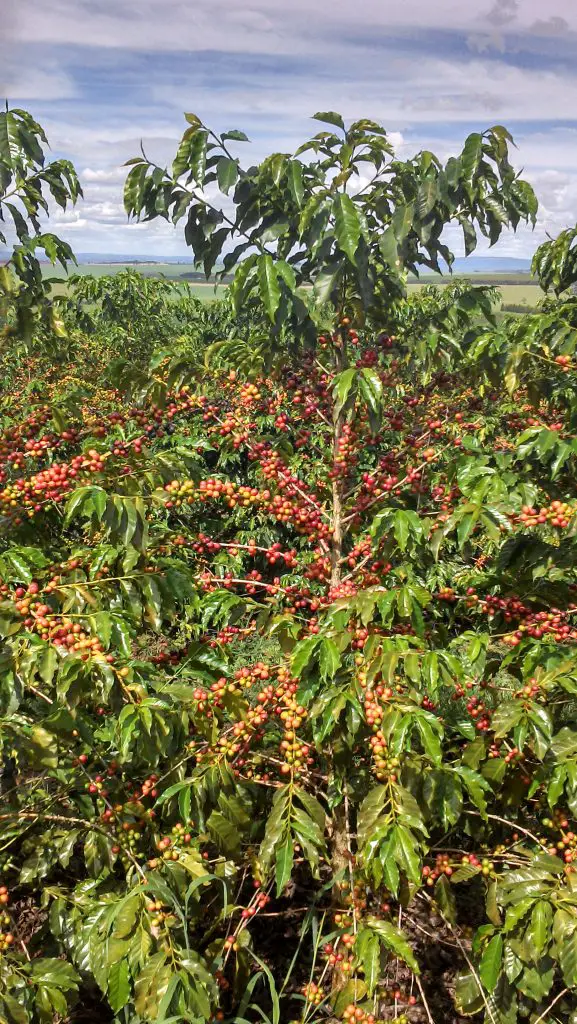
column 288, row 603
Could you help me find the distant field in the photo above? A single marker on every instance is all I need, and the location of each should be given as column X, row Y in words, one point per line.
column 172, row 271
column 175, row 271
column 516, row 289
column 521, row 294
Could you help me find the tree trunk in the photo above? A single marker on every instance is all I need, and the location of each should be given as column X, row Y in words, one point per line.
column 337, row 531
column 340, row 852
column 337, row 510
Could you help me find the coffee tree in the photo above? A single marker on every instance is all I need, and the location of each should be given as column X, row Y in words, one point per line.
column 288, row 645
column 350, row 222
column 308, row 230
column 26, row 184
column 555, row 262
column 537, row 349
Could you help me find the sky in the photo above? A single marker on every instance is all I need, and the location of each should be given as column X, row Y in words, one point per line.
column 103, row 75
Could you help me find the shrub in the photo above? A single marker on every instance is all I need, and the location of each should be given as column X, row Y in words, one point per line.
column 292, row 643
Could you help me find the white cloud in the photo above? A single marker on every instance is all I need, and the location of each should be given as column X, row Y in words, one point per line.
column 115, row 72
column 553, row 26
column 47, row 83
column 548, row 159
column 113, row 176
column 236, row 25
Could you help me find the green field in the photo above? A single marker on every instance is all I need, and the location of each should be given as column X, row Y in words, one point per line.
column 516, row 289
column 521, row 294
column 172, row 271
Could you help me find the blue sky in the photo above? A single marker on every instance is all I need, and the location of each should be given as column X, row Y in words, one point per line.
column 103, row 74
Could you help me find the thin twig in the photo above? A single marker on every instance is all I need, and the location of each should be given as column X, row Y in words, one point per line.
column 398, row 485
column 423, row 997
column 350, row 858
column 435, row 938
column 511, row 824
column 551, row 1005
column 475, row 975
column 470, row 965
column 38, row 693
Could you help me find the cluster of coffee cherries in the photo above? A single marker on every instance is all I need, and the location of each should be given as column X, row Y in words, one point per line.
column 124, row 814
column 485, row 865
column 557, row 513
column 553, row 624
column 218, row 692
column 294, row 503
column 375, row 697
column 564, row 362
column 373, row 707
column 445, row 866
column 530, row 690
column 385, row 767
column 249, row 393
column 259, row 901
column 313, row 993
column 26, row 497
column 14, row 459
column 345, row 457
column 514, row 755
column 332, row 951
column 160, row 916
column 308, row 394
column 345, row 963
column 6, row 935
column 127, row 822
column 480, row 713
column 347, row 331
column 25, row 429
column 287, row 506
column 566, row 845
column 295, row 753
column 185, row 492
column 355, row 1014
column 28, row 439
column 228, row 634
column 527, row 418
column 276, row 699
column 172, row 847
column 346, row 588
column 272, row 554
column 374, row 485
column 442, row 866
column 164, row 656
column 395, row 994
column 234, row 744
column 209, row 582
column 59, row 630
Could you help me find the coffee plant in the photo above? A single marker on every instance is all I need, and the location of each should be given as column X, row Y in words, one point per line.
column 27, row 183
column 555, row 262
column 316, row 224
column 288, row 685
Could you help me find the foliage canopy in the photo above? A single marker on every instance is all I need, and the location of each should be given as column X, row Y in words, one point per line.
column 290, row 640
column 342, row 214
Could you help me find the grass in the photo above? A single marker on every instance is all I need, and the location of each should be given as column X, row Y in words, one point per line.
column 521, row 293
